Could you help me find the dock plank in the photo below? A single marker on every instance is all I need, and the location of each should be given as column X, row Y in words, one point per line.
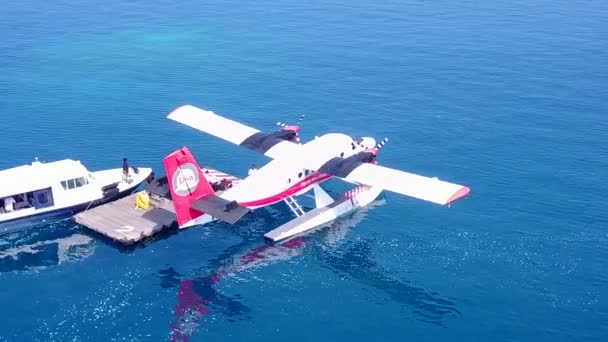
column 122, row 222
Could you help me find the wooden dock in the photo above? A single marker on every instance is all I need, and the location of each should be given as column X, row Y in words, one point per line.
column 122, row 222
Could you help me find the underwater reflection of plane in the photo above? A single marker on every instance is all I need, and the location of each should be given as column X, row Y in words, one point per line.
column 350, row 259
column 42, row 254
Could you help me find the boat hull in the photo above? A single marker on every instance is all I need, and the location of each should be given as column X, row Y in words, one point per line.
column 58, row 214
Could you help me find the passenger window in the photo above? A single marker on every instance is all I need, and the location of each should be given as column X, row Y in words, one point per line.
column 300, row 175
column 342, row 154
column 64, row 184
column 71, row 184
column 289, row 180
column 306, row 172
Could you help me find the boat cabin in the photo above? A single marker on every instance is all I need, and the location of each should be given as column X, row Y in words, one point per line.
column 40, row 185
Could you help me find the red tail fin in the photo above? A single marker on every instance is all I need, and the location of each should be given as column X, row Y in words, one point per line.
column 187, row 184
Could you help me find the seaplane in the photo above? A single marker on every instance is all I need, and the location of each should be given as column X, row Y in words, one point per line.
column 294, row 169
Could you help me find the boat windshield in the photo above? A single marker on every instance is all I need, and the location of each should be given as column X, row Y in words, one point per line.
column 74, row 183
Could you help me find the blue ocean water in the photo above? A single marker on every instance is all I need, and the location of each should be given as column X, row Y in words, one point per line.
column 508, row 97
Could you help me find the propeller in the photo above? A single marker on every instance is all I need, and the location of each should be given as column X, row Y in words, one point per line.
column 377, row 149
column 296, row 127
column 381, row 144
column 282, row 124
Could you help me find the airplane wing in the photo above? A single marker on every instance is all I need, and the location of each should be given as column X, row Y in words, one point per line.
column 408, row 184
column 318, row 155
column 270, row 144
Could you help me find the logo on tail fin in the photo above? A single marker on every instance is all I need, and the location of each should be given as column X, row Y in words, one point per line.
column 187, row 184
column 185, row 179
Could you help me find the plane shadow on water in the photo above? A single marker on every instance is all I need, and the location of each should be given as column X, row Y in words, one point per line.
column 347, row 258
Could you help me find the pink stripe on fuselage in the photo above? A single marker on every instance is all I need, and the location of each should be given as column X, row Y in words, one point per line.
column 298, row 187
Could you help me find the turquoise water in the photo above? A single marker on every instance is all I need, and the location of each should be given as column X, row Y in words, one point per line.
column 508, row 97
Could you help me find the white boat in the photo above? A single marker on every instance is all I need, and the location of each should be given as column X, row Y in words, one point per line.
column 43, row 192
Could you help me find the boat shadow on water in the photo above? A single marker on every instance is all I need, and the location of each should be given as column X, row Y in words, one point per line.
column 43, row 246
column 349, row 259
column 164, row 234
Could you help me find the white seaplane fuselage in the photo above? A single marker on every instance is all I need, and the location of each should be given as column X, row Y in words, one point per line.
column 285, row 177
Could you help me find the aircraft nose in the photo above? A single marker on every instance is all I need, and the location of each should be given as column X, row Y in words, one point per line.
column 368, row 142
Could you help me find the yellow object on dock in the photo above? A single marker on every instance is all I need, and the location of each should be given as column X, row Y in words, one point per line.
column 142, row 200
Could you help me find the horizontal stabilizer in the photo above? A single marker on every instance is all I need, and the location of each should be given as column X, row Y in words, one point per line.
column 220, row 208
